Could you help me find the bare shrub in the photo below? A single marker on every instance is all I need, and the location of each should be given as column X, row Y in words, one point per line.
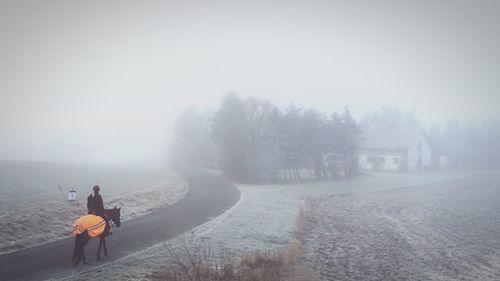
column 202, row 263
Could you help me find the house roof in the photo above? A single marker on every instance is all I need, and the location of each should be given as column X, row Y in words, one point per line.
column 395, row 139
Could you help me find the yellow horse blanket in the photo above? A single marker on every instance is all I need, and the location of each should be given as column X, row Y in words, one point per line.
column 93, row 224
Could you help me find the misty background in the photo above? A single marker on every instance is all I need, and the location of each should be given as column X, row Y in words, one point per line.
column 103, row 82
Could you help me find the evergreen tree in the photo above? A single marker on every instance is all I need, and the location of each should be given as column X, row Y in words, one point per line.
column 257, row 113
column 349, row 142
column 229, row 133
column 254, row 140
column 274, row 140
column 291, row 146
column 312, row 142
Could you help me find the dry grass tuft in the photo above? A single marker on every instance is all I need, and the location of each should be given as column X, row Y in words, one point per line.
column 202, row 263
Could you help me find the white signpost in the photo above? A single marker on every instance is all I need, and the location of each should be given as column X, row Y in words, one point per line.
column 72, row 195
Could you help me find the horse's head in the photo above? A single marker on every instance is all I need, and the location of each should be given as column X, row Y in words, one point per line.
column 114, row 215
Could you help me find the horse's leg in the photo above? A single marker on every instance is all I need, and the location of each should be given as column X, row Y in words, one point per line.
column 99, row 249
column 105, row 248
column 78, row 249
column 75, row 248
column 103, row 238
column 78, row 259
column 83, row 256
column 86, row 240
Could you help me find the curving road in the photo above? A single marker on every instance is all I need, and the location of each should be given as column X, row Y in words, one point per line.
column 208, row 196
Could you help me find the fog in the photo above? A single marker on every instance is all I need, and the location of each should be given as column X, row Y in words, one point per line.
column 103, row 82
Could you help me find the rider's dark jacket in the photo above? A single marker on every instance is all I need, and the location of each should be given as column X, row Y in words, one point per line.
column 95, row 204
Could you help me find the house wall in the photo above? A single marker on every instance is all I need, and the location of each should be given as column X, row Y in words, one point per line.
column 419, row 155
column 363, row 162
column 390, row 161
column 443, row 162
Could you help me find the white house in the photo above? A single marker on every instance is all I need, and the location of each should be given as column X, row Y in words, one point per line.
column 394, row 150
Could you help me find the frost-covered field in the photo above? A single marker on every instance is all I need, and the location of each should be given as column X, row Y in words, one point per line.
column 33, row 210
column 263, row 219
column 444, row 231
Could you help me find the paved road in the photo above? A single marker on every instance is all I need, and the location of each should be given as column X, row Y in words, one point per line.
column 208, row 196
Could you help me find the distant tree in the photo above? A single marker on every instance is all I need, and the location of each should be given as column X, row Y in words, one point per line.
column 390, row 118
column 348, row 143
column 334, row 140
column 292, row 149
column 192, row 143
column 274, row 140
column 255, row 141
column 472, row 145
column 257, row 114
column 229, row 131
column 312, row 141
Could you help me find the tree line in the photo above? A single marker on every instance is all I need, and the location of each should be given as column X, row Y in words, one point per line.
column 473, row 145
column 252, row 140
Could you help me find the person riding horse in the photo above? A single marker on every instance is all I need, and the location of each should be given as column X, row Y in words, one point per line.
column 90, row 226
column 95, row 224
column 95, row 206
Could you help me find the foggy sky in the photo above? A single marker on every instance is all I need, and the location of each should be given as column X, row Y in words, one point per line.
column 102, row 81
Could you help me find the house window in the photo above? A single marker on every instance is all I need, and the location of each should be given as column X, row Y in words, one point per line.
column 395, row 160
column 375, row 159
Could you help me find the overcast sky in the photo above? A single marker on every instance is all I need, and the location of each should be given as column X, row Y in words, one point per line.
column 102, row 81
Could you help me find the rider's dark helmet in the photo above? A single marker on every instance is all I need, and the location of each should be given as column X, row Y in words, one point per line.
column 96, row 188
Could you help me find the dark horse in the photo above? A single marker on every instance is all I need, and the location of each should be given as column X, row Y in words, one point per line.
column 82, row 239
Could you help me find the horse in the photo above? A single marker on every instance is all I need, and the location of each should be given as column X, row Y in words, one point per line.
column 101, row 229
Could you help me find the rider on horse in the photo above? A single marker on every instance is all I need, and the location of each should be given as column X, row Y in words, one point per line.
column 94, row 224
column 95, row 206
